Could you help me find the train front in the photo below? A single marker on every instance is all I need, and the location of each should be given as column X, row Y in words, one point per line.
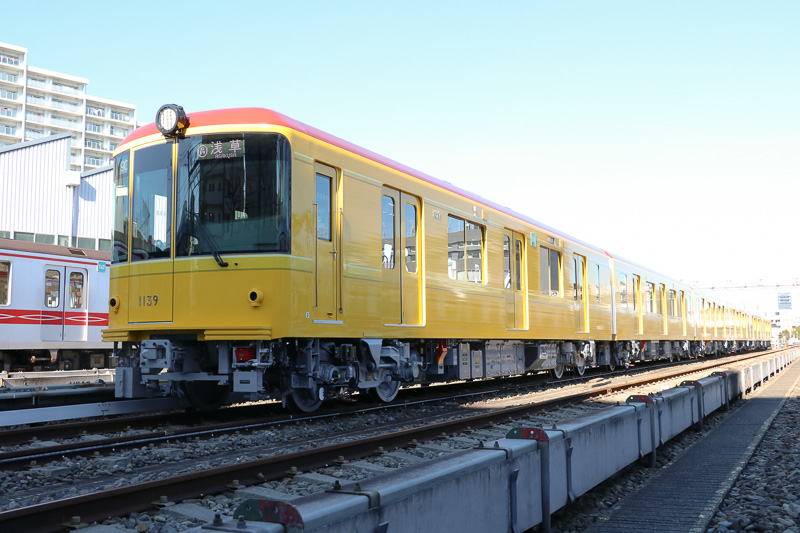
column 201, row 267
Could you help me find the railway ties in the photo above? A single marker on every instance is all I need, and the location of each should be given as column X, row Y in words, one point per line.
column 499, row 455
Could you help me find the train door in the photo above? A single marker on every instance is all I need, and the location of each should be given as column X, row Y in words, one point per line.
column 579, row 291
column 514, row 279
column 637, row 302
column 326, row 256
column 682, row 310
column 411, row 312
column 65, row 315
column 400, row 258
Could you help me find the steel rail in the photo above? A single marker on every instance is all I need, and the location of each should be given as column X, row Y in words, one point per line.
column 20, row 458
column 98, row 506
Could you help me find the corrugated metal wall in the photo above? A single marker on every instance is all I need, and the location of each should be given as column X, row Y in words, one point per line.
column 93, row 204
column 35, row 198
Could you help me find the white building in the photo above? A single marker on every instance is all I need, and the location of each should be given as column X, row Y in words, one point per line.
column 36, row 103
column 43, row 200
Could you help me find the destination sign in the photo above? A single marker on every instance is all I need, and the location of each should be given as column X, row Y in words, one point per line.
column 221, row 150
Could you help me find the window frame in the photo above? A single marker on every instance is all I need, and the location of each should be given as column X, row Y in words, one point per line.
column 462, row 251
column 550, row 273
column 6, row 301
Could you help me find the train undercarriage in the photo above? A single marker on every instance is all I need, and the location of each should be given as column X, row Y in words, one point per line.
column 303, row 373
column 41, row 359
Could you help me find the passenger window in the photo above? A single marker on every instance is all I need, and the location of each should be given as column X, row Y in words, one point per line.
column 411, row 237
column 518, row 262
column 650, row 288
column 323, row 207
column 506, row 262
column 464, row 250
column 597, row 282
column 5, row 282
column 387, row 232
column 549, row 266
column 623, row 290
column 660, row 300
column 52, row 288
column 76, row 290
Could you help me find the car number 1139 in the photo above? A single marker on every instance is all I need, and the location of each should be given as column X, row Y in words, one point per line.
column 148, row 300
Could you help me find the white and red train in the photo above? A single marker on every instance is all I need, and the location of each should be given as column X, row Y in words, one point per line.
column 53, row 305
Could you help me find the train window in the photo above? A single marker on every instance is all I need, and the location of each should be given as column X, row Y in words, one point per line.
column 119, row 232
column 387, row 232
column 649, row 289
column 597, row 282
column 76, row 290
column 577, row 279
column 455, row 248
column 410, row 216
column 506, row 262
column 623, row 290
column 151, row 213
column 660, row 300
column 671, row 305
column 5, row 282
column 549, row 267
column 518, row 262
column 234, row 195
column 52, row 288
column 464, row 250
column 323, row 203
column 635, row 294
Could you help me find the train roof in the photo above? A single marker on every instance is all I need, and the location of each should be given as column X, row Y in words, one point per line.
column 53, row 249
column 262, row 116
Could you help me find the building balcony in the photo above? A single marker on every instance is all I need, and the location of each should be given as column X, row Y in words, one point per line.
column 11, row 81
column 37, row 84
column 11, row 62
column 66, row 107
column 9, row 96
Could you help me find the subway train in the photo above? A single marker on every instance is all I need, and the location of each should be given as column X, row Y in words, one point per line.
column 53, row 305
column 256, row 255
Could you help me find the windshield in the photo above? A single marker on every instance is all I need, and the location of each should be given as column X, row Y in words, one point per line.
column 232, row 196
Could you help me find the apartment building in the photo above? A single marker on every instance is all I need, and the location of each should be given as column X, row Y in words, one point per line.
column 37, row 103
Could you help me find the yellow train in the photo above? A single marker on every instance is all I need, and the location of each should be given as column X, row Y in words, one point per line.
column 256, row 255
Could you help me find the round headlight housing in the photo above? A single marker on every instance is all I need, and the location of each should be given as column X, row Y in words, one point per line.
column 171, row 120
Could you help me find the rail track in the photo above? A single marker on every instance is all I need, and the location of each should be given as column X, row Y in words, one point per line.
column 135, row 497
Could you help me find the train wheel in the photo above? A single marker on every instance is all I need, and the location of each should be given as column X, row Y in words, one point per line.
column 580, row 366
column 205, row 395
column 558, row 371
column 612, row 364
column 386, row 391
column 303, row 400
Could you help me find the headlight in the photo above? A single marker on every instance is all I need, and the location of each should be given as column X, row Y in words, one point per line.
column 171, row 120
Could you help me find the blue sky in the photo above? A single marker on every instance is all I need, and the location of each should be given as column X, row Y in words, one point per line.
column 668, row 133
